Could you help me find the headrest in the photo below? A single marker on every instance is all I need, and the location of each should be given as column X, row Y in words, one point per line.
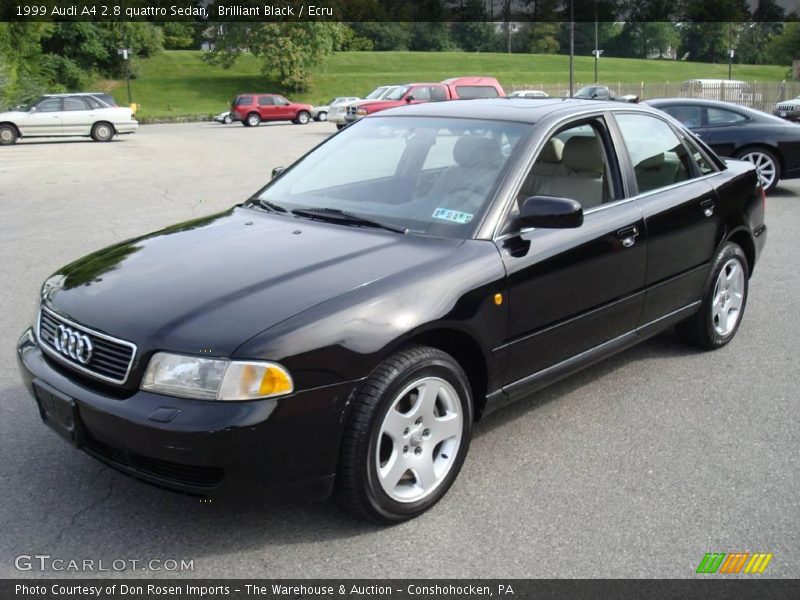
column 651, row 162
column 472, row 151
column 552, row 151
column 583, row 154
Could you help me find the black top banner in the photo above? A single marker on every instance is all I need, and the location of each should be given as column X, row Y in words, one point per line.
column 400, row 10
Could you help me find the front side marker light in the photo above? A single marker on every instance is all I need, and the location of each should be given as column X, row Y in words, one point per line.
column 252, row 380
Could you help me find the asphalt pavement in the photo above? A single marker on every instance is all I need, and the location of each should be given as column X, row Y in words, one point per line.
column 635, row 467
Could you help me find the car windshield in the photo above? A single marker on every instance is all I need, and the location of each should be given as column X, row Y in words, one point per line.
column 377, row 93
column 430, row 176
column 587, row 92
column 396, row 93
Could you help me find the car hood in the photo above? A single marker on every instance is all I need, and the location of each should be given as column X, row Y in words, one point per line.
column 12, row 115
column 208, row 285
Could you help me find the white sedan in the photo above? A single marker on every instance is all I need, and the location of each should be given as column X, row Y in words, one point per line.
column 321, row 113
column 66, row 115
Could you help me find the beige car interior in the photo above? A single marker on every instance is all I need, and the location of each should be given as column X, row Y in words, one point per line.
column 575, row 168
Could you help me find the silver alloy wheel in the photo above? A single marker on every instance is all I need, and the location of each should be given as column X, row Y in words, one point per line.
column 253, row 120
column 103, row 132
column 302, row 118
column 765, row 165
column 419, row 439
column 323, row 116
column 726, row 304
column 227, row 119
column 6, row 135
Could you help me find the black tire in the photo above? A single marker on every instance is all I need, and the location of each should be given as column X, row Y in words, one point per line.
column 252, row 120
column 339, row 126
column 302, row 118
column 8, row 135
column 756, row 151
column 103, row 132
column 357, row 484
column 321, row 116
column 700, row 330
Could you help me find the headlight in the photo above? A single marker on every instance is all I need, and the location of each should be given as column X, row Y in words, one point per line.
column 215, row 378
column 361, row 112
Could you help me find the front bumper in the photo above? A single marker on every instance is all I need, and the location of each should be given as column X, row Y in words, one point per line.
column 790, row 115
column 284, row 445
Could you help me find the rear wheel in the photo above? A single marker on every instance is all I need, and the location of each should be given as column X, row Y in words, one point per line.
column 723, row 304
column 767, row 165
column 252, row 120
column 302, row 117
column 8, row 135
column 227, row 119
column 102, row 132
column 406, row 437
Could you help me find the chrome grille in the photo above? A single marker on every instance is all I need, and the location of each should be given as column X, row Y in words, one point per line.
column 351, row 110
column 786, row 107
column 110, row 360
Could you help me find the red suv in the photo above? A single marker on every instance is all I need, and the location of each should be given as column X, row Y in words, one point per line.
column 251, row 109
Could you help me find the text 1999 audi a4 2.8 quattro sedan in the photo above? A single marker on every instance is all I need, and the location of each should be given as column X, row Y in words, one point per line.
column 343, row 328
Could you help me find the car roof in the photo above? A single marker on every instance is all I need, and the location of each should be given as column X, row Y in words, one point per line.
column 508, row 109
column 66, row 95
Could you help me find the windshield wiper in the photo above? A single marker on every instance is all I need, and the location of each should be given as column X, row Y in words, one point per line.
column 341, row 216
column 268, row 205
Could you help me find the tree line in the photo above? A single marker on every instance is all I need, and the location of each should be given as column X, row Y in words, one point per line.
column 68, row 56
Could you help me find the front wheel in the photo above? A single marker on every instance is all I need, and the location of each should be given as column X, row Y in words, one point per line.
column 406, row 437
column 723, row 304
column 767, row 165
column 302, row 118
column 8, row 135
column 227, row 119
column 102, row 132
column 322, row 116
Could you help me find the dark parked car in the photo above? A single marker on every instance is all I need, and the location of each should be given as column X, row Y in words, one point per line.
column 603, row 92
column 416, row 271
column 770, row 143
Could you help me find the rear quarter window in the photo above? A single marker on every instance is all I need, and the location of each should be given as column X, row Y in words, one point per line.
column 476, row 91
column 243, row 101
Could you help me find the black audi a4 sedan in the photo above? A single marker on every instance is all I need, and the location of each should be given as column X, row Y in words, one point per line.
column 770, row 143
column 343, row 329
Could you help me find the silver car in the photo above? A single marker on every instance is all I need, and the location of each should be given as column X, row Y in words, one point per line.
column 788, row 109
column 338, row 114
column 320, row 113
column 66, row 115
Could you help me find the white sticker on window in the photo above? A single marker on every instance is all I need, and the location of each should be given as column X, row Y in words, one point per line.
column 456, row 216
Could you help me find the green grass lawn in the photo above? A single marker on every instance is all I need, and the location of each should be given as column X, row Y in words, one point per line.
column 178, row 83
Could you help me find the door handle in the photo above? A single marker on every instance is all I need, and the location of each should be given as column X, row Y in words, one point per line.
column 628, row 236
column 707, row 206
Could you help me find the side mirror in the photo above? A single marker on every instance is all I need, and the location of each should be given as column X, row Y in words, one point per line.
column 277, row 172
column 409, row 98
column 549, row 212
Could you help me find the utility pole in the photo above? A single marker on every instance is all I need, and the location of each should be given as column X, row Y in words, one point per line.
column 730, row 50
column 571, row 48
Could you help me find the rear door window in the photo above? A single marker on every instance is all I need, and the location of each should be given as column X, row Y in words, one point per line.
column 265, row 101
column 658, row 157
column 75, row 103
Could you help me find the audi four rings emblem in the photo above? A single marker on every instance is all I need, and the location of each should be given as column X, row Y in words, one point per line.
column 73, row 344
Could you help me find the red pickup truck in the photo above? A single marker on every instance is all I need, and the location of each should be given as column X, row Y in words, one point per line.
column 251, row 109
column 455, row 88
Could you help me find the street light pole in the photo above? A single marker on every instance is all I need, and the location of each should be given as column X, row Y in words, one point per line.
column 125, row 52
column 571, row 48
column 596, row 43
